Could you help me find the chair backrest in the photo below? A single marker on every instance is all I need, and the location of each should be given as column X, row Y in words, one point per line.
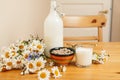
column 89, row 21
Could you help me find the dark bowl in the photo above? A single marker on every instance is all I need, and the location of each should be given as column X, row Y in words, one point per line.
column 62, row 59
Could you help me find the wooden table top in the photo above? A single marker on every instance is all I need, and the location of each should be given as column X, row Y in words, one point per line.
column 108, row 71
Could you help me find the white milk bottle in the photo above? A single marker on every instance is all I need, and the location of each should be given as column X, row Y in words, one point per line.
column 53, row 29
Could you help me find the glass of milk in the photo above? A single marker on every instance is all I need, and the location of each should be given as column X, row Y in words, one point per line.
column 83, row 56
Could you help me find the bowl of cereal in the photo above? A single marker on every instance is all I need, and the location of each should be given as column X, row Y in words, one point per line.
column 62, row 55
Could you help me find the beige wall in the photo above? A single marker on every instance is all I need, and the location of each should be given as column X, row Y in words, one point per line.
column 19, row 18
column 115, row 36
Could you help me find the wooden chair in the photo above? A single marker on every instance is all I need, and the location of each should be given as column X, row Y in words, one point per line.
column 90, row 21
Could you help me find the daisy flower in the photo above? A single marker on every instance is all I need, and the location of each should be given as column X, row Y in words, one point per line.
column 13, row 53
column 13, row 47
column 6, row 53
column 9, row 63
column 56, row 72
column 20, row 45
column 18, row 64
column 31, row 66
column 104, row 56
column 26, row 54
column 2, row 68
column 95, row 56
column 40, row 63
column 100, row 58
column 44, row 74
column 41, row 47
column 37, row 46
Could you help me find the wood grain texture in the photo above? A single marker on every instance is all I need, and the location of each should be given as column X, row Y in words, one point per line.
column 83, row 21
column 108, row 71
column 84, row 38
column 89, row 21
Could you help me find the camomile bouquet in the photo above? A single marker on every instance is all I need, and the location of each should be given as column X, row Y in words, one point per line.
column 27, row 55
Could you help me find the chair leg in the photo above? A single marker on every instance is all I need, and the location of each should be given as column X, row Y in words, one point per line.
column 100, row 35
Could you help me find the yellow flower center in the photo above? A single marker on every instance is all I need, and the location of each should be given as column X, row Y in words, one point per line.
column 13, row 53
column 13, row 48
column 21, row 46
column 38, row 64
column 104, row 60
column 30, row 49
column 56, row 72
column 30, row 65
column 26, row 56
column 9, row 63
column 39, row 46
column 3, row 69
column 35, row 51
column 43, row 75
column 7, row 55
column 18, row 62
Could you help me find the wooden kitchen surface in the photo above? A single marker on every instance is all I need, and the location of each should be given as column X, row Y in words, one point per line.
column 108, row 71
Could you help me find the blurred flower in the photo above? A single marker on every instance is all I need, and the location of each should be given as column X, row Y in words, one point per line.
column 44, row 74
column 40, row 63
column 6, row 53
column 31, row 66
column 9, row 63
column 3, row 68
column 100, row 58
column 18, row 64
column 26, row 54
column 56, row 72
column 37, row 46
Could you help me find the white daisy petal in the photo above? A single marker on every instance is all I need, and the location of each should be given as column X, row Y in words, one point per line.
column 44, row 75
column 40, row 63
column 56, row 72
column 64, row 69
column 9, row 64
column 31, row 66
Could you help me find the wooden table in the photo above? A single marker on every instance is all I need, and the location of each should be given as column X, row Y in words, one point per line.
column 108, row 71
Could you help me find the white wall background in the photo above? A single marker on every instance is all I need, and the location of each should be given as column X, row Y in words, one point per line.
column 19, row 18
